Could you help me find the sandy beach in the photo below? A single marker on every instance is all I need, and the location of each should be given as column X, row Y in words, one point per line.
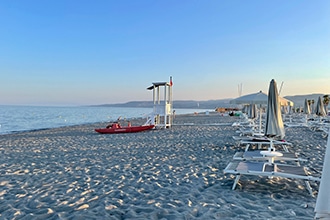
column 76, row 173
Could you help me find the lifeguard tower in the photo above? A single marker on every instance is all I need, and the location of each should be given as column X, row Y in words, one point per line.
column 162, row 109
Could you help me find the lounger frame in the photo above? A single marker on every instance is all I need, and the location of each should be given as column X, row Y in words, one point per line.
column 269, row 170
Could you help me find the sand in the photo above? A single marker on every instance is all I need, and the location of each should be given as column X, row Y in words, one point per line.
column 76, row 173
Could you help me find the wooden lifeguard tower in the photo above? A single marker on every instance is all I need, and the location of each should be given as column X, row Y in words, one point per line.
column 162, row 109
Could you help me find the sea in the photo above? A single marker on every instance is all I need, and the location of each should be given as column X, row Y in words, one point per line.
column 27, row 118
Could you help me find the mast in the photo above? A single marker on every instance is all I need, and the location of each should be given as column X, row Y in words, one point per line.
column 279, row 91
column 240, row 89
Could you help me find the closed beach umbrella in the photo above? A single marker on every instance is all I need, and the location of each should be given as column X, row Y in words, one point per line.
column 284, row 109
column 319, row 110
column 252, row 113
column 274, row 122
column 307, row 109
column 322, row 208
column 245, row 109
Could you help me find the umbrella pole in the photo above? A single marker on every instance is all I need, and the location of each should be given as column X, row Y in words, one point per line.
column 260, row 112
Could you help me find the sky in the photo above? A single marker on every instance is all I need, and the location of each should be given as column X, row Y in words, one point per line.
column 80, row 52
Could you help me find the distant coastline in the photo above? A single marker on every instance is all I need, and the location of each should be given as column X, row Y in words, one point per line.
column 209, row 104
column 186, row 104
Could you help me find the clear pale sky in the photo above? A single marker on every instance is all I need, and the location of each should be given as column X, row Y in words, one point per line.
column 73, row 52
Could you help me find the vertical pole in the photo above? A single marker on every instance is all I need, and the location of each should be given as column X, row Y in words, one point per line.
column 154, row 100
column 260, row 118
column 171, row 103
column 165, row 105
column 158, row 105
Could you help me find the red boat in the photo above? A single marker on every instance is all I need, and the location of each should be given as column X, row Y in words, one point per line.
column 116, row 128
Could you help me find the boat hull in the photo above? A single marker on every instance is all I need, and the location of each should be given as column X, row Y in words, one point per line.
column 124, row 129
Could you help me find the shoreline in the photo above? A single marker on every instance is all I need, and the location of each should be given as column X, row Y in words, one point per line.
column 56, row 125
column 177, row 173
column 137, row 120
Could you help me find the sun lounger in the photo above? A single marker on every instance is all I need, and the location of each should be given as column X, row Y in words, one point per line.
column 259, row 142
column 250, row 132
column 256, row 155
column 270, row 170
column 295, row 124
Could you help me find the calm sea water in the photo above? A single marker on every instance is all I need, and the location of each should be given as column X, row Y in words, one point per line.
column 26, row 118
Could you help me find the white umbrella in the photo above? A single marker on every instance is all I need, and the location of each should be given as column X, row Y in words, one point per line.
column 259, row 98
column 319, row 110
column 307, row 109
column 322, row 208
column 274, row 123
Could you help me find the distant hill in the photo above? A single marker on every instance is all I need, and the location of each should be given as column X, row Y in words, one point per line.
column 300, row 99
column 209, row 104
